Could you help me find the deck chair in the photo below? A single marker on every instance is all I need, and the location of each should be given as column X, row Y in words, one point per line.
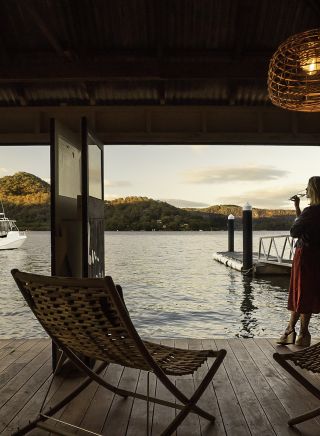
column 89, row 317
column 307, row 359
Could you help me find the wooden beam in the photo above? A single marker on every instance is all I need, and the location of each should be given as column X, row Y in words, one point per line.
column 146, row 68
column 47, row 33
column 89, row 89
column 165, row 125
column 162, row 92
column 175, row 138
column 21, row 94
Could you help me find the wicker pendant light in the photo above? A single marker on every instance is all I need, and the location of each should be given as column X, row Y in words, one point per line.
column 294, row 73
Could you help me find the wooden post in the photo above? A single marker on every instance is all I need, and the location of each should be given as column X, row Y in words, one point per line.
column 231, row 233
column 247, row 236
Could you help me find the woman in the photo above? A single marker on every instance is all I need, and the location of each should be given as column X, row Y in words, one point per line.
column 304, row 291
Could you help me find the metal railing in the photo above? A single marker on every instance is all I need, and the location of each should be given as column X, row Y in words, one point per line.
column 270, row 252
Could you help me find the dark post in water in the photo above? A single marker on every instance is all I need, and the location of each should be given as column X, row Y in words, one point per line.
column 247, row 236
column 231, row 233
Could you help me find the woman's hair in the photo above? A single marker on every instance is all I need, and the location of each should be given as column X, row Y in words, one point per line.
column 314, row 190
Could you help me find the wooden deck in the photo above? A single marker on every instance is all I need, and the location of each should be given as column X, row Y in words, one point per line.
column 250, row 394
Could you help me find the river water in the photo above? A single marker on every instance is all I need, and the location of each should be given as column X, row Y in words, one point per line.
column 171, row 284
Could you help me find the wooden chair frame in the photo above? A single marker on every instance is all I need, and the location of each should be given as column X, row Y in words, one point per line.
column 308, row 359
column 26, row 281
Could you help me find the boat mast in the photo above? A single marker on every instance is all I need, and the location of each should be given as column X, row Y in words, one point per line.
column 6, row 224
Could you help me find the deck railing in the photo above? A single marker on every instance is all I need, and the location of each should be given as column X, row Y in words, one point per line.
column 278, row 248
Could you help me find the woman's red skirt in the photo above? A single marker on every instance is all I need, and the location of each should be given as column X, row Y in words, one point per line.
column 304, row 290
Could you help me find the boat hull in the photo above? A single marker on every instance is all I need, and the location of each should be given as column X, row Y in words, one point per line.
column 14, row 239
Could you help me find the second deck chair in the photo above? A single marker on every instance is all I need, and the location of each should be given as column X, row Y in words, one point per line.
column 307, row 359
column 89, row 317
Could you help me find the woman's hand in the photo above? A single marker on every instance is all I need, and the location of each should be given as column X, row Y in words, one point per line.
column 296, row 201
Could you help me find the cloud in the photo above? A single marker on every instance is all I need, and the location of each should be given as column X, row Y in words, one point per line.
column 268, row 198
column 4, row 171
column 116, row 183
column 183, row 203
column 225, row 174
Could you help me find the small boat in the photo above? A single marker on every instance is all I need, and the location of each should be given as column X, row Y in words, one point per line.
column 10, row 235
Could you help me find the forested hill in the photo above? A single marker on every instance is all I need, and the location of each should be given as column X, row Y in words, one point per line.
column 26, row 198
column 236, row 211
column 141, row 213
column 22, row 184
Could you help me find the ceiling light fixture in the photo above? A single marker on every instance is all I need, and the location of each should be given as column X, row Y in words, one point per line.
column 294, row 73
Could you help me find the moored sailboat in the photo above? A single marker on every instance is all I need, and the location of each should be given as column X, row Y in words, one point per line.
column 10, row 235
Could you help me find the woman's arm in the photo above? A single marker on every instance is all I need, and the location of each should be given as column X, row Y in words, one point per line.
column 296, row 201
column 301, row 223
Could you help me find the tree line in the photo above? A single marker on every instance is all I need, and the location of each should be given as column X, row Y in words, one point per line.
column 26, row 198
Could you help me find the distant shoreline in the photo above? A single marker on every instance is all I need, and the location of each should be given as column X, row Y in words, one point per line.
column 26, row 199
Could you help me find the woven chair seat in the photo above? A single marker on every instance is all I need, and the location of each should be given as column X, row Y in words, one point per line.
column 309, row 358
column 176, row 361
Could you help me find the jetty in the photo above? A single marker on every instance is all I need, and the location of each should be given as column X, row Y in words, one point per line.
column 273, row 258
column 270, row 267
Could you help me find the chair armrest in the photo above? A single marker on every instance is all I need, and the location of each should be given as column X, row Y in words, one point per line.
column 120, row 292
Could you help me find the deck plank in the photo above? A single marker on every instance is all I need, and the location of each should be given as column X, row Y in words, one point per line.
column 99, row 407
column 11, row 347
column 12, row 388
column 251, row 408
column 270, row 403
column 191, row 424
column 31, row 408
column 234, row 421
column 19, row 399
column 73, row 413
column 138, row 421
column 13, row 363
column 68, row 379
column 120, row 411
column 250, row 394
column 284, row 385
column 5, row 342
column 163, row 415
column 208, row 400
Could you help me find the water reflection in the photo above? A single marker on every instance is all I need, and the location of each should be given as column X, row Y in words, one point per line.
column 273, row 287
column 279, row 282
column 248, row 321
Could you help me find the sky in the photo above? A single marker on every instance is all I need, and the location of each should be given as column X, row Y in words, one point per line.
column 190, row 175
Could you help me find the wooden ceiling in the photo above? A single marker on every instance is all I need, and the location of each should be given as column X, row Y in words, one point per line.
column 149, row 71
column 159, row 52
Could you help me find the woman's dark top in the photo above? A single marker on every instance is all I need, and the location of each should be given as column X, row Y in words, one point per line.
column 307, row 228
column 304, row 291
